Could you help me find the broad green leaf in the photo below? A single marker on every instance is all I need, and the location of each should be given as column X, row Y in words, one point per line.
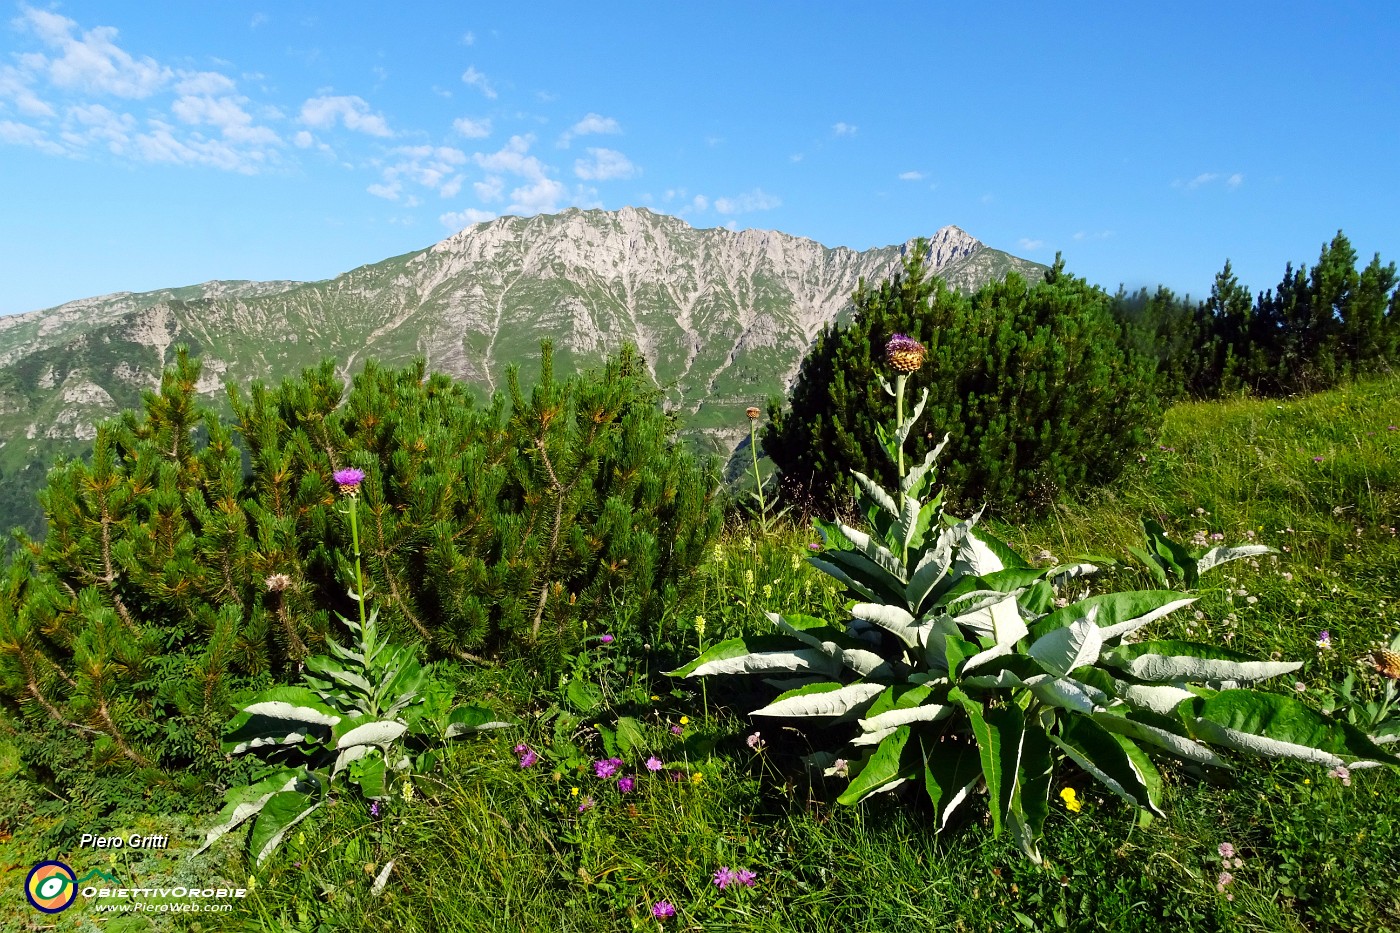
column 876, row 493
column 1149, row 561
column 1008, row 724
column 1118, row 614
column 279, row 814
column 584, row 695
column 890, row 719
column 951, row 775
column 989, row 742
column 631, row 735
column 1037, row 771
column 1281, row 726
column 822, row 700
column 1103, row 754
column 889, row 765
column 1068, row 693
column 1162, row 700
column 991, row 615
column 877, row 552
column 899, row 696
column 468, row 719
column 1005, row 554
column 860, row 574
column 248, row 801
column 1171, row 661
column 976, row 558
column 912, row 482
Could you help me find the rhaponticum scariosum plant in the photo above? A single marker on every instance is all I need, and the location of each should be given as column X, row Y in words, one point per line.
column 369, row 716
column 963, row 675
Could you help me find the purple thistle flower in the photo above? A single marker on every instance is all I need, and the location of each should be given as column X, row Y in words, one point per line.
column 813, row 546
column 724, row 877
column 349, row 479
column 529, row 759
column 663, row 909
column 625, row 784
column 676, row 730
column 605, row 639
column 586, row 805
column 745, row 877
column 607, row 767
column 1317, row 459
column 653, row 764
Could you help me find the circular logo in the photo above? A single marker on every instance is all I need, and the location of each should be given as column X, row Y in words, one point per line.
column 51, row 887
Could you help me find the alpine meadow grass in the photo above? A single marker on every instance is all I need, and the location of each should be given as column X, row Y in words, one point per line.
column 684, row 820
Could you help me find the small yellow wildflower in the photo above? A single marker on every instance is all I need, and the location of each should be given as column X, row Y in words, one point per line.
column 685, row 720
column 1072, row 801
column 655, row 697
column 1307, row 780
column 700, row 626
column 573, row 792
column 697, row 777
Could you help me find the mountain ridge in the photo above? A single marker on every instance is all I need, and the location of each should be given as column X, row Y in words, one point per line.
column 723, row 319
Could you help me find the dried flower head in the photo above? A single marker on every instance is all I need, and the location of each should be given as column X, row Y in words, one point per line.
column 752, row 412
column 904, row 354
column 1387, row 662
column 278, row 582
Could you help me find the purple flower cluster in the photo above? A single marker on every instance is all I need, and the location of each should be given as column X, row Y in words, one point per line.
column 528, row 757
column 726, row 876
column 663, row 909
column 654, row 764
column 607, row 767
column 625, row 784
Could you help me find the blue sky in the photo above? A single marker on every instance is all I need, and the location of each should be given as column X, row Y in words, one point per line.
column 149, row 145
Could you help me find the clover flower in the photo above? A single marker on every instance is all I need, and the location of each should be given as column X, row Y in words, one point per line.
column 904, row 354
column 607, row 767
column 676, row 730
column 654, row 764
column 663, row 909
column 1226, row 850
column 349, row 480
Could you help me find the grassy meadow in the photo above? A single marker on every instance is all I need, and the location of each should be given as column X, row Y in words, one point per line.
column 518, row 831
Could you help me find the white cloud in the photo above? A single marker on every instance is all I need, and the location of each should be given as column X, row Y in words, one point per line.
column 700, row 202
column 161, row 144
column 204, row 82
column 15, row 85
column 472, row 129
column 478, row 80
column 755, row 200
column 225, row 113
column 604, row 165
column 92, row 62
column 469, row 38
column 843, row 129
column 1028, row 244
column 541, row 196
column 1235, row 180
column 20, row 134
column 911, row 176
column 456, row 220
column 592, row 124
column 257, row 20
column 432, row 167
column 492, row 189
column 352, row 112
column 304, row 140
column 1099, row 235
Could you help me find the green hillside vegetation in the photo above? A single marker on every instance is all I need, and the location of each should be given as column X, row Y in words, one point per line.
column 263, row 633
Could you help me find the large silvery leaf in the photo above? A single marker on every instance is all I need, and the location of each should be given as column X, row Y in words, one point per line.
column 1162, row 700
column 280, row 716
column 1068, row 693
column 1281, row 726
column 1174, row 661
column 976, row 558
column 876, row 493
column 928, row 573
column 991, row 615
column 1161, row 731
column 1117, row 614
column 380, row 732
column 759, row 654
column 861, row 574
column 1061, row 650
column 822, row 700
column 872, row 549
column 890, row 618
column 912, row 480
column 894, row 718
column 1220, row 555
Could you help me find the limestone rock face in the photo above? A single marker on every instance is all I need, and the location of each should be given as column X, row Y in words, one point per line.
column 723, row 318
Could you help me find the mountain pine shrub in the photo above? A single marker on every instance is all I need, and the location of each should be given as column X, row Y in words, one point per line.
column 1032, row 381
column 193, row 561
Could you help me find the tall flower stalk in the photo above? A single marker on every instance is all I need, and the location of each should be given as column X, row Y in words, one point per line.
column 349, row 481
column 765, row 521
